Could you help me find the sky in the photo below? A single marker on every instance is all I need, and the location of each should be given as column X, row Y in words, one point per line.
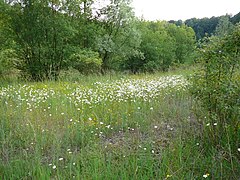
column 184, row 9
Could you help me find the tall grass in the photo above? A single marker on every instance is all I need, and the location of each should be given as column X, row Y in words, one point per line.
column 105, row 128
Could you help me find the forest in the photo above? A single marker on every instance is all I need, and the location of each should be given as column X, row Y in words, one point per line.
column 90, row 91
column 42, row 38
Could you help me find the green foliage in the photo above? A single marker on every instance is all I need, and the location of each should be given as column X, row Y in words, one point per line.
column 120, row 39
column 236, row 18
column 163, row 44
column 157, row 46
column 41, row 35
column 224, row 26
column 203, row 26
column 8, row 60
column 208, row 26
column 86, row 61
column 217, row 88
column 184, row 41
column 45, row 35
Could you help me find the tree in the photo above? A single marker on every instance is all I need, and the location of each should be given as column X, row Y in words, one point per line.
column 41, row 33
column 235, row 19
column 224, row 26
column 203, row 27
column 8, row 57
column 158, row 47
column 120, row 39
column 185, row 42
column 163, row 44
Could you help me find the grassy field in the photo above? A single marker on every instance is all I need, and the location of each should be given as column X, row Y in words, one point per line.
column 110, row 127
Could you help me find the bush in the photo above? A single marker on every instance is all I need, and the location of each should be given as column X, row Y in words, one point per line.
column 151, row 67
column 8, row 59
column 217, row 88
column 86, row 61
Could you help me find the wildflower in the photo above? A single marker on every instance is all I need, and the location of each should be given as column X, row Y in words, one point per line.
column 101, row 123
column 168, row 176
column 50, row 164
column 144, row 149
column 139, row 108
column 60, row 159
column 153, row 151
column 74, row 163
column 155, row 127
column 68, row 149
column 54, row 167
column 89, row 119
column 206, row 175
column 197, row 144
column 208, row 124
column 215, row 124
column 151, row 108
column 108, row 126
column 62, row 113
column 238, row 149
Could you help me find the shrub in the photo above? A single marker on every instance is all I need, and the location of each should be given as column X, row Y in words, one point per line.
column 8, row 59
column 86, row 61
column 151, row 66
column 217, row 87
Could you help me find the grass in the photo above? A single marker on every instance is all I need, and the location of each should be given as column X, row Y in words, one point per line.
column 110, row 127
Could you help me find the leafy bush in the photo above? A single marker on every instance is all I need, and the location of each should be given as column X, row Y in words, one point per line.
column 7, row 61
column 217, row 88
column 151, row 66
column 86, row 61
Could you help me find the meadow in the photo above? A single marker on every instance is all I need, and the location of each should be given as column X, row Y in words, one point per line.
column 121, row 127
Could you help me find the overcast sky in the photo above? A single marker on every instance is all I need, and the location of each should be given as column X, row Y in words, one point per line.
column 184, row 9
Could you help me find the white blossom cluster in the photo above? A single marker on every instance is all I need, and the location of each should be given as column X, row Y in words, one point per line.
column 123, row 90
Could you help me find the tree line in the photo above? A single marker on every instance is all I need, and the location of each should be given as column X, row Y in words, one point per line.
column 40, row 38
column 207, row 26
